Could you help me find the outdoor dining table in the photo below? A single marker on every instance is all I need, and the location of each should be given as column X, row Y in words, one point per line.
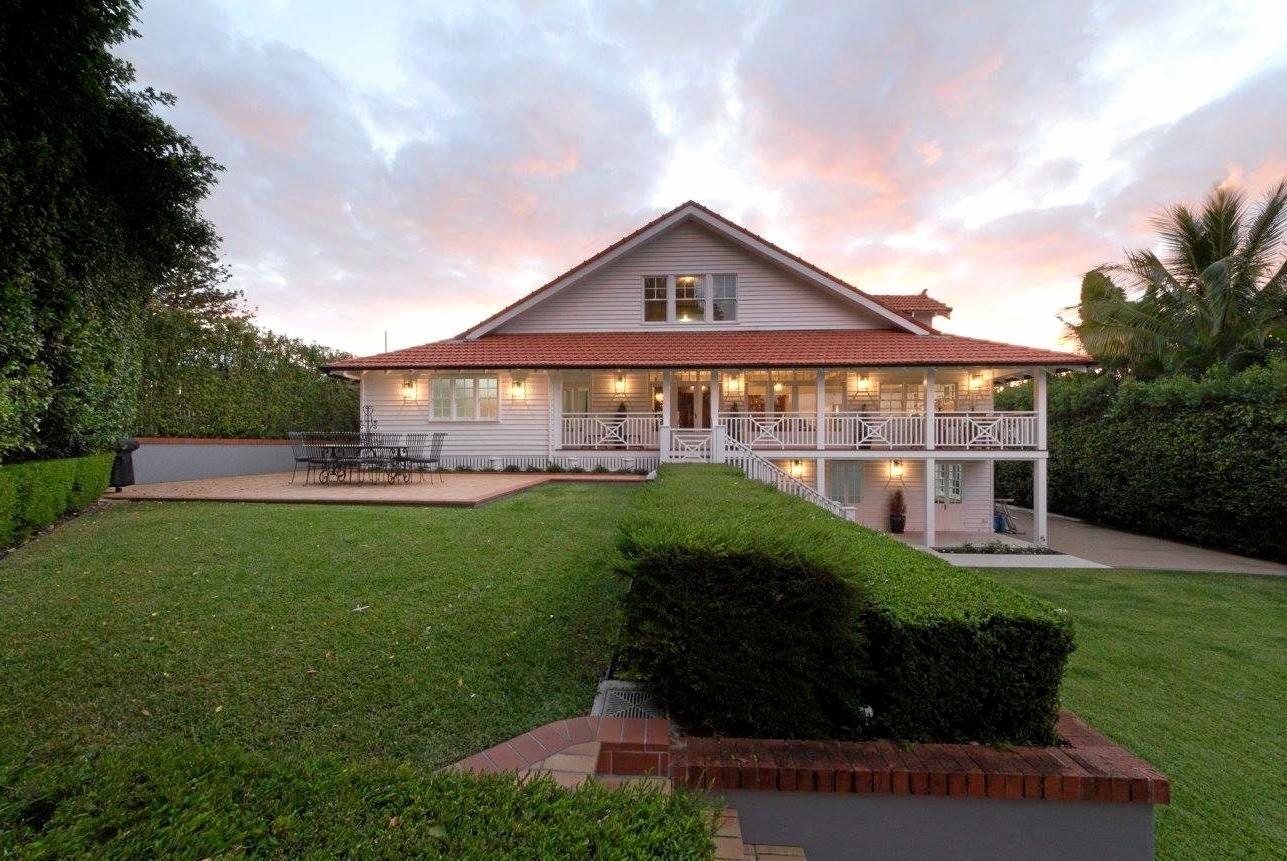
column 340, row 458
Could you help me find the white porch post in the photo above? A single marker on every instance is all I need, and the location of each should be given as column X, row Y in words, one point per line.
column 821, row 432
column 717, row 448
column 667, row 398
column 929, row 503
column 1039, row 404
column 556, row 412
column 821, row 479
column 1039, row 517
column 929, row 408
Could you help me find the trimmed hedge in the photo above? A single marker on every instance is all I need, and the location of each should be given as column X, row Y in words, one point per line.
column 35, row 494
column 1203, row 461
column 172, row 801
column 939, row 653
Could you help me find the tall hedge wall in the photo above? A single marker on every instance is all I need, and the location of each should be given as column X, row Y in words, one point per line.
column 751, row 612
column 35, row 494
column 1203, row 461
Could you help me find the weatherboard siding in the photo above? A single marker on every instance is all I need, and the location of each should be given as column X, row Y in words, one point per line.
column 767, row 296
column 523, row 428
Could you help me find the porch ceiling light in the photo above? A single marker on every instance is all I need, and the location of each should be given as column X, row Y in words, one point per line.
column 895, row 469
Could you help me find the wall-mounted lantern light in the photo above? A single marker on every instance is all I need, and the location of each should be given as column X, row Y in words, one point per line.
column 895, row 469
column 733, row 383
column 862, row 383
column 619, row 384
column 657, row 395
column 409, row 388
column 797, row 468
column 518, row 386
column 976, row 381
column 777, row 387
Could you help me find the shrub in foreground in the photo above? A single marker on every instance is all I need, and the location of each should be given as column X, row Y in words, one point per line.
column 185, row 802
column 939, row 653
column 35, row 494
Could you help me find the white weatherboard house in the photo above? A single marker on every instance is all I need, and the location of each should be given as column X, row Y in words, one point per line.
column 693, row 339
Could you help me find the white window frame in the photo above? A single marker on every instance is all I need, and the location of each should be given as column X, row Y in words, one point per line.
column 455, row 403
column 714, row 297
column 705, row 288
column 665, row 298
column 949, row 482
column 857, row 466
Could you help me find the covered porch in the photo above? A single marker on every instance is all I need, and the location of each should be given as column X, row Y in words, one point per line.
column 791, row 410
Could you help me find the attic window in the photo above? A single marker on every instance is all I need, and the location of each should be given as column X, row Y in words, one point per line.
column 690, row 298
column 655, row 299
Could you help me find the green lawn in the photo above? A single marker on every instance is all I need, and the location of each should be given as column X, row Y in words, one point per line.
column 1190, row 672
column 226, row 623
column 272, row 681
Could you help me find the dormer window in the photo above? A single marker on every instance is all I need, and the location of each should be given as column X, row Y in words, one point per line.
column 690, row 298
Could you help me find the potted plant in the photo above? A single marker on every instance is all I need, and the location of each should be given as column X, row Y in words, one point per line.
column 897, row 512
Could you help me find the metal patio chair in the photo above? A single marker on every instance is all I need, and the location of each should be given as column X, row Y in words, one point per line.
column 424, row 452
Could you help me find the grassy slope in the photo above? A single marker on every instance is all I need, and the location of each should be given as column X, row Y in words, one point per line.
column 220, row 623
column 1189, row 671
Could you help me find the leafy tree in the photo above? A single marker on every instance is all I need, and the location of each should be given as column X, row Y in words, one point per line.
column 1216, row 296
column 99, row 219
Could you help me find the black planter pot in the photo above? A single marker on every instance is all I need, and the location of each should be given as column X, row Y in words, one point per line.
column 897, row 522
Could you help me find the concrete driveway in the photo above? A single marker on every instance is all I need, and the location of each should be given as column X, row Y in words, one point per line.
column 1127, row 550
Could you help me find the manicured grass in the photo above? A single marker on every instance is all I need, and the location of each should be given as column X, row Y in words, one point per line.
column 1190, row 672
column 170, row 669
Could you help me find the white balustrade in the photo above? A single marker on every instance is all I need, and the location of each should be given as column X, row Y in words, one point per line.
column 610, row 430
column 689, row 446
column 772, row 430
column 759, row 469
column 986, row 430
column 875, row 430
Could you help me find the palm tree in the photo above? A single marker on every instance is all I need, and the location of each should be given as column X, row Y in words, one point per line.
column 1217, row 295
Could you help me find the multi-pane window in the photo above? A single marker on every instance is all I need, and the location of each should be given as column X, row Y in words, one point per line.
column 947, row 482
column 655, row 299
column 844, row 481
column 724, row 290
column 465, row 398
column 690, row 298
column 910, row 398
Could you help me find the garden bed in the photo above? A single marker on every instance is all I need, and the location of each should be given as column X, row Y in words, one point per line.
column 999, row 548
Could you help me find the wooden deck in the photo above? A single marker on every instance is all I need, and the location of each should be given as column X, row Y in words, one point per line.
column 454, row 489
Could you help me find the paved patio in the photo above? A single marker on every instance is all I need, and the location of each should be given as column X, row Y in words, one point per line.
column 455, row 489
column 1126, row 550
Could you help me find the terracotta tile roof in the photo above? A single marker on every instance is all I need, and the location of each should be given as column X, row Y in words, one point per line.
column 906, row 303
column 589, row 261
column 670, row 349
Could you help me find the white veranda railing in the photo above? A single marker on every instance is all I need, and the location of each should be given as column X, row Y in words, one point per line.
column 875, row 430
column 772, row 430
column 986, row 430
column 610, row 430
column 690, row 446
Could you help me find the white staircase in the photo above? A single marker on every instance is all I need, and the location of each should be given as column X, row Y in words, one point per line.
column 716, row 446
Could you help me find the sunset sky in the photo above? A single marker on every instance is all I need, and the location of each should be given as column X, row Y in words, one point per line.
column 410, row 167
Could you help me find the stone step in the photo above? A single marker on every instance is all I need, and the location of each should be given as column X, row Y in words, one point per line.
column 770, row 852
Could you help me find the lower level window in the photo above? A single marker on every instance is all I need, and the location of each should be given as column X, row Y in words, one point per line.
column 844, row 481
column 947, row 482
column 465, row 398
